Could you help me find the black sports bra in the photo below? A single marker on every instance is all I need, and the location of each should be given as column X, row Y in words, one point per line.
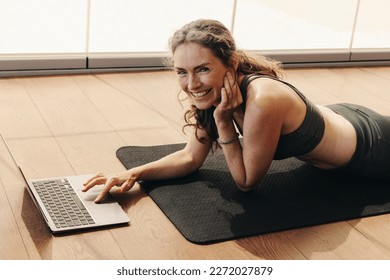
column 306, row 137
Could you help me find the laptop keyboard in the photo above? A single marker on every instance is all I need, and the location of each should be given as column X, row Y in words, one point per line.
column 62, row 203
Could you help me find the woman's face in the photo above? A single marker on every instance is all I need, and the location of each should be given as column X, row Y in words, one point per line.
column 200, row 74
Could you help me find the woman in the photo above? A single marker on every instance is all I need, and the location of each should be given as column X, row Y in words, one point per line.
column 230, row 91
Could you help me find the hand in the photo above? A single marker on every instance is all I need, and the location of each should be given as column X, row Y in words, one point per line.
column 231, row 99
column 124, row 181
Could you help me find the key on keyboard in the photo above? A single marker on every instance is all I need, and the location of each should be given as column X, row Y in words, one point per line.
column 61, row 201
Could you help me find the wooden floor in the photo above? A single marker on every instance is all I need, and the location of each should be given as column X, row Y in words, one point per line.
column 69, row 125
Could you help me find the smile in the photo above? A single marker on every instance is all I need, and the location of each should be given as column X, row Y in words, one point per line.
column 200, row 94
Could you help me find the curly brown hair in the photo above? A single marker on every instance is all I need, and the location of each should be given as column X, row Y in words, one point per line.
column 215, row 36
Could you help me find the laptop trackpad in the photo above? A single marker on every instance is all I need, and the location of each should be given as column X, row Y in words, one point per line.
column 108, row 211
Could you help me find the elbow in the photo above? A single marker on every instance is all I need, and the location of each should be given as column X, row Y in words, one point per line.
column 193, row 163
column 248, row 184
column 246, row 187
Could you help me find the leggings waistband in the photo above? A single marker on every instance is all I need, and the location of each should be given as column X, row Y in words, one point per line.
column 372, row 154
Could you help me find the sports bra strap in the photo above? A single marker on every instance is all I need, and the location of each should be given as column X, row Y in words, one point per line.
column 249, row 78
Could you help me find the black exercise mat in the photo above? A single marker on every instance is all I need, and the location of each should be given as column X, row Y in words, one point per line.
column 207, row 207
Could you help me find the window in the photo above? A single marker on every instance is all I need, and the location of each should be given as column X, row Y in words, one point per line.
column 372, row 33
column 124, row 33
column 38, row 33
column 81, row 34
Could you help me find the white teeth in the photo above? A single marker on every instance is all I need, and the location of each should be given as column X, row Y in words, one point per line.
column 200, row 94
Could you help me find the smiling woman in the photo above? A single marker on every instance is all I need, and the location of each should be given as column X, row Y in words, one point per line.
column 229, row 91
column 200, row 74
column 209, row 51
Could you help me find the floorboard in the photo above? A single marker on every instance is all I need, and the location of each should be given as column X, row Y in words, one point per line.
column 73, row 124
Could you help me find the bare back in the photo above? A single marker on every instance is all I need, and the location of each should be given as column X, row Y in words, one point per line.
column 338, row 144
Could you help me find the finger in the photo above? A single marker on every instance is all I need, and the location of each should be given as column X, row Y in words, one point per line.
column 230, row 80
column 93, row 178
column 93, row 182
column 227, row 85
column 235, row 85
column 127, row 185
column 101, row 196
column 236, row 93
column 105, row 191
column 229, row 97
column 231, row 89
column 224, row 98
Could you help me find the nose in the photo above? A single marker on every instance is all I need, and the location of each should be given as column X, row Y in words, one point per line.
column 193, row 82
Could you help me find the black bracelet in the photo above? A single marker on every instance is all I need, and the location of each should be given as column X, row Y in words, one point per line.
column 223, row 142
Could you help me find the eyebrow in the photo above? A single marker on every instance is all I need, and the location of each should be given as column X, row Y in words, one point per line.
column 196, row 67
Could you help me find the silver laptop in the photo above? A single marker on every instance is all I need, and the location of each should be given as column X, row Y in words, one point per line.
column 65, row 207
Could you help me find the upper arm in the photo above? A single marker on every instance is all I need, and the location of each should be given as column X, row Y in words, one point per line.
column 195, row 150
column 263, row 122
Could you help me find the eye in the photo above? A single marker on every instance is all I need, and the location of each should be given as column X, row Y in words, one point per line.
column 203, row 70
column 181, row 72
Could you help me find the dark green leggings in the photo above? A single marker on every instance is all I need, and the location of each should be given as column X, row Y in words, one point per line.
column 372, row 155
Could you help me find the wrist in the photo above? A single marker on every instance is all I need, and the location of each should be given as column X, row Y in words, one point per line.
column 223, row 124
column 228, row 140
column 135, row 173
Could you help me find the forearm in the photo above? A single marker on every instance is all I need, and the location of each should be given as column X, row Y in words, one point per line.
column 242, row 160
column 233, row 153
column 174, row 165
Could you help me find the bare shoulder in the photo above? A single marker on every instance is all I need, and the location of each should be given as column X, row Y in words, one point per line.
column 265, row 92
column 276, row 103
